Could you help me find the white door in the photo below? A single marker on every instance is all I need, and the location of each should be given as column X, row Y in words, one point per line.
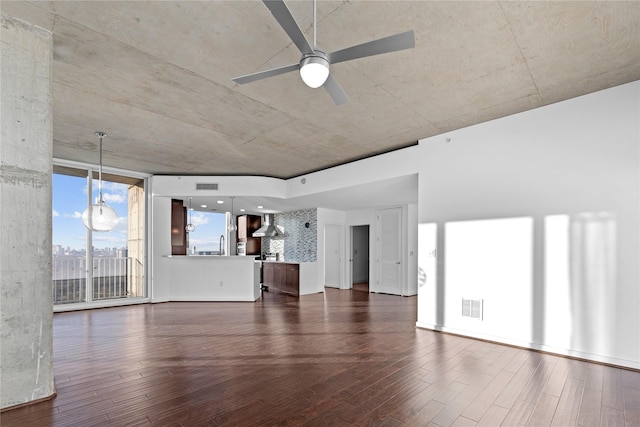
column 332, row 256
column 389, row 251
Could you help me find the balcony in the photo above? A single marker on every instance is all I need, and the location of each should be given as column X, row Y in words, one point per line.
column 113, row 278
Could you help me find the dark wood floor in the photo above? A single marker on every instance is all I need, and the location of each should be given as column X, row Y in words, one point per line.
column 333, row 359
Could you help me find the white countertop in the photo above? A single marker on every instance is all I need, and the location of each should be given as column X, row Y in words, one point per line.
column 290, row 262
column 216, row 257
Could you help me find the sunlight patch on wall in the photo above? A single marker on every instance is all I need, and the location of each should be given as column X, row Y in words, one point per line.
column 593, row 284
column 490, row 260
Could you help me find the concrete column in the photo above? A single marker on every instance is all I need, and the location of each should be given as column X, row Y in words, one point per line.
column 26, row 312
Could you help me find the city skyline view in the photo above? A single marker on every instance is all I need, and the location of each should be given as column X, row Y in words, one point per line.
column 70, row 200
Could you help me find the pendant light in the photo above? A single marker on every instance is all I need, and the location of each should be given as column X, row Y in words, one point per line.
column 99, row 216
column 232, row 225
column 190, row 227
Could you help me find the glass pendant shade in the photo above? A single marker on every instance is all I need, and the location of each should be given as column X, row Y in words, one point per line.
column 232, row 226
column 314, row 71
column 190, row 228
column 99, row 217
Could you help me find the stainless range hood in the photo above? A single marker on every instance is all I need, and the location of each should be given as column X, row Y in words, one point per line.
column 268, row 228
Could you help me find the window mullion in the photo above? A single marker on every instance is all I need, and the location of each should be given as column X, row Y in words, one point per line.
column 89, row 248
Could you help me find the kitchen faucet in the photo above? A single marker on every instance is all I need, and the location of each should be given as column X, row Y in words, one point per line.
column 221, row 245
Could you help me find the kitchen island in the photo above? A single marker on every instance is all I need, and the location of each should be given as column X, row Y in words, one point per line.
column 213, row 278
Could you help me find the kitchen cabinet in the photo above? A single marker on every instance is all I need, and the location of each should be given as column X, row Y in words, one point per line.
column 292, row 279
column 282, row 277
column 247, row 224
column 178, row 231
column 268, row 274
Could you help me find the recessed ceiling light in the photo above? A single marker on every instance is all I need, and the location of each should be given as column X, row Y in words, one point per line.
column 241, row 210
column 203, row 206
column 260, row 207
column 220, row 202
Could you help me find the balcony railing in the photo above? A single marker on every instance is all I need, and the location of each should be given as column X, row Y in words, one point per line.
column 113, row 277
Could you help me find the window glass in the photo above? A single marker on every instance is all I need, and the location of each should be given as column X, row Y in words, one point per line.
column 69, row 238
column 205, row 239
column 116, row 256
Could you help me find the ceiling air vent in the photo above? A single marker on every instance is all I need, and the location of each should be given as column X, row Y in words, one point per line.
column 206, row 186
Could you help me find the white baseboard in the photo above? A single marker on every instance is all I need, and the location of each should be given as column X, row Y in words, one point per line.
column 624, row 363
column 212, row 299
column 58, row 308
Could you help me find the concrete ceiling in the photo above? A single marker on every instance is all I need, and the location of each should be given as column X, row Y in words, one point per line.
column 156, row 76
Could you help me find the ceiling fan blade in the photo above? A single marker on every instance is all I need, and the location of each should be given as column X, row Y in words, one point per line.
column 282, row 14
column 335, row 91
column 400, row 41
column 264, row 74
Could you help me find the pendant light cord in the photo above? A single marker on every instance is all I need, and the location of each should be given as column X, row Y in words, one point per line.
column 100, row 171
column 231, row 224
column 315, row 45
column 100, row 200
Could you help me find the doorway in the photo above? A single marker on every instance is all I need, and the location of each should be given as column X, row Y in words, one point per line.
column 360, row 258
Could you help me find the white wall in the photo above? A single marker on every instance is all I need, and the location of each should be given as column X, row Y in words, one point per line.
column 185, row 186
column 399, row 163
column 538, row 214
column 160, row 283
column 411, row 250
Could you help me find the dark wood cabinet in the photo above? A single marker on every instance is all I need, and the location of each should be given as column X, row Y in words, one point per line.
column 282, row 277
column 247, row 224
column 292, row 279
column 178, row 224
column 279, row 276
column 268, row 274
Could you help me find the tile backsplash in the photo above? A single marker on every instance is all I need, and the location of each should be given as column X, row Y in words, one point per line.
column 300, row 240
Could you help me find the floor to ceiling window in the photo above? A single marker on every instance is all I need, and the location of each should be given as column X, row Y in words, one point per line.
column 88, row 266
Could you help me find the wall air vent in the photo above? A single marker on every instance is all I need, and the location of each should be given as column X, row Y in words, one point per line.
column 206, row 186
column 472, row 308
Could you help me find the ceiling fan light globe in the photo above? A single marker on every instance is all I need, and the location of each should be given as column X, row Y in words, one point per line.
column 100, row 217
column 314, row 71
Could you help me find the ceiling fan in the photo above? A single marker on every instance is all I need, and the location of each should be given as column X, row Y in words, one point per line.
column 314, row 64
